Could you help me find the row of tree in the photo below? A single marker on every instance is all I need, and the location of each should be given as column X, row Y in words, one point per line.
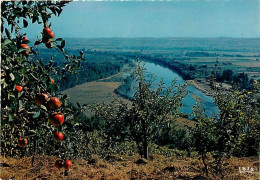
column 91, row 72
column 210, row 54
column 241, row 80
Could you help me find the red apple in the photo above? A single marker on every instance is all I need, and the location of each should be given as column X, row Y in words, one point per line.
column 54, row 103
column 67, row 164
column 58, row 136
column 51, row 35
column 25, row 39
column 52, row 81
column 48, row 33
column 47, row 30
column 19, row 88
column 25, row 46
column 22, row 142
column 56, row 119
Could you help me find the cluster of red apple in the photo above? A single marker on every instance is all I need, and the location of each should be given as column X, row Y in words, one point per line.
column 55, row 119
column 47, row 38
column 52, row 103
column 24, row 45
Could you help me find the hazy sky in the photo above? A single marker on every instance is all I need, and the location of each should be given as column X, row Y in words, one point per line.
column 197, row 18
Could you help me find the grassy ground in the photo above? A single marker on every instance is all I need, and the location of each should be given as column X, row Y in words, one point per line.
column 158, row 167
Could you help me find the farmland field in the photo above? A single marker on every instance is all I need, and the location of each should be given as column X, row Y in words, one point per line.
column 97, row 91
column 206, row 55
column 236, row 54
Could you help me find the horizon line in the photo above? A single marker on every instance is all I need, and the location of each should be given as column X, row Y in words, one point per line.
column 163, row 37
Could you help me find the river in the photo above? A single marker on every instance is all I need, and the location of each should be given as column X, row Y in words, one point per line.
column 169, row 75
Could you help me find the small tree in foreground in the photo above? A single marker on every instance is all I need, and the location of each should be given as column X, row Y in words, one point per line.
column 149, row 110
column 234, row 131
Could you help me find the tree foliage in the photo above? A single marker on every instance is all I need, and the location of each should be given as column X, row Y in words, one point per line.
column 149, row 110
column 234, row 131
column 23, row 115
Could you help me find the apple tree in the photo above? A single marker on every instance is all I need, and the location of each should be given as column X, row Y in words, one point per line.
column 33, row 113
column 234, row 131
column 150, row 109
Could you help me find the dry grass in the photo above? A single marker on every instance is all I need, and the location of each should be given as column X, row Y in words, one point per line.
column 98, row 91
column 184, row 122
column 158, row 167
column 93, row 92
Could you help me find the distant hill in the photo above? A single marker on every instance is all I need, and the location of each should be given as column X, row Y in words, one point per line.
column 171, row 43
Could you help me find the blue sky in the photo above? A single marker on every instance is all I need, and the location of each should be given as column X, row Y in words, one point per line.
column 183, row 18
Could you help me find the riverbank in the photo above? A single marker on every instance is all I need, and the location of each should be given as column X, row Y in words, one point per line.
column 203, row 85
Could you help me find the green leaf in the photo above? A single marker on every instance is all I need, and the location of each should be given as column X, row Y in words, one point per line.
column 34, row 18
column 59, row 11
column 31, row 112
column 79, row 106
column 38, row 42
column 20, row 94
column 5, row 85
column 12, row 77
column 63, row 44
column 23, row 71
column 33, row 52
column 59, row 39
column 32, row 132
column 58, row 46
column 25, row 23
column 12, row 96
column 81, row 53
column 10, row 117
column 7, row 41
column 3, row 81
column 20, row 105
column 68, row 109
column 43, row 107
column 21, row 50
column 7, row 33
column 53, row 10
column 36, row 115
